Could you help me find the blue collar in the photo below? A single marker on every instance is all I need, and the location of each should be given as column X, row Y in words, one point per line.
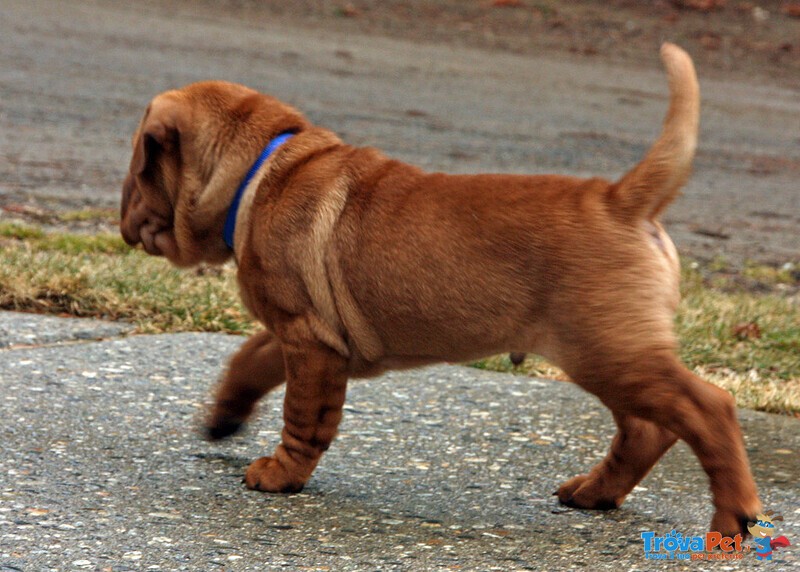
column 233, row 210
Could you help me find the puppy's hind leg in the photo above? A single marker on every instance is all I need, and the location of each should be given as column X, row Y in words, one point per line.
column 658, row 388
column 636, row 447
column 254, row 370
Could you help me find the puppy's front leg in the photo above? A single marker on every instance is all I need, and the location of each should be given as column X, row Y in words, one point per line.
column 316, row 383
column 253, row 371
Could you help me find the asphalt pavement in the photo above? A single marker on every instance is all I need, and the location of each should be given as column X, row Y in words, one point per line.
column 443, row 468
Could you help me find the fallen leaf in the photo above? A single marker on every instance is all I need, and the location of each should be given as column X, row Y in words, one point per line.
column 791, row 9
column 710, row 40
column 700, row 5
column 348, row 11
column 747, row 331
column 507, row 3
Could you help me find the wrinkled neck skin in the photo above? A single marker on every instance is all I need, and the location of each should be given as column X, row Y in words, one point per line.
column 204, row 198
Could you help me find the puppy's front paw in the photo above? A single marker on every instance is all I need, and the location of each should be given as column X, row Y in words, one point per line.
column 584, row 492
column 730, row 524
column 221, row 424
column 219, row 429
column 268, row 475
column 224, row 420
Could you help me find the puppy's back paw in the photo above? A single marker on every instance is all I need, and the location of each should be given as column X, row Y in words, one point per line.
column 586, row 493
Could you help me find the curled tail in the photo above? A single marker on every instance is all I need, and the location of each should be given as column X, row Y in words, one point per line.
column 650, row 186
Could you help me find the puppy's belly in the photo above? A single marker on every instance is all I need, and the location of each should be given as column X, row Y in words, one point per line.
column 452, row 327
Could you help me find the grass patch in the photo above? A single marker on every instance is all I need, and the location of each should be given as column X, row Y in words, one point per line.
column 89, row 215
column 20, row 231
column 100, row 276
column 739, row 331
column 769, row 275
column 747, row 342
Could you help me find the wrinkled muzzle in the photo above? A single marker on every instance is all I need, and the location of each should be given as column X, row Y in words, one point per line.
column 140, row 223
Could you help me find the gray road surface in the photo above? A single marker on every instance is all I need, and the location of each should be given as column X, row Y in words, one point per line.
column 75, row 77
column 445, row 468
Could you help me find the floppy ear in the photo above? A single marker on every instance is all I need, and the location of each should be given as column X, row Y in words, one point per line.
column 160, row 130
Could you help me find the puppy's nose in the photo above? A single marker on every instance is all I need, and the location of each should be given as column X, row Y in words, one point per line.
column 130, row 238
column 129, row 235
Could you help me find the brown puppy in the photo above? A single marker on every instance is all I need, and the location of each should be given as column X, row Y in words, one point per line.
column 356, row 263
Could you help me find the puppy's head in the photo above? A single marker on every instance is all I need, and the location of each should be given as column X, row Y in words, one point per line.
column 190, row 152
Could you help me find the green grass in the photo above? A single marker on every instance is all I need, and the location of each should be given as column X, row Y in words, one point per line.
column 100, row 276
column 713, row 327
column 20, row 232
column 747, row 341
column 89, row 215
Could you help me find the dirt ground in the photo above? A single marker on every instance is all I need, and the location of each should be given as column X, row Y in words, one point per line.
column 730, row 39
column 453, row 85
